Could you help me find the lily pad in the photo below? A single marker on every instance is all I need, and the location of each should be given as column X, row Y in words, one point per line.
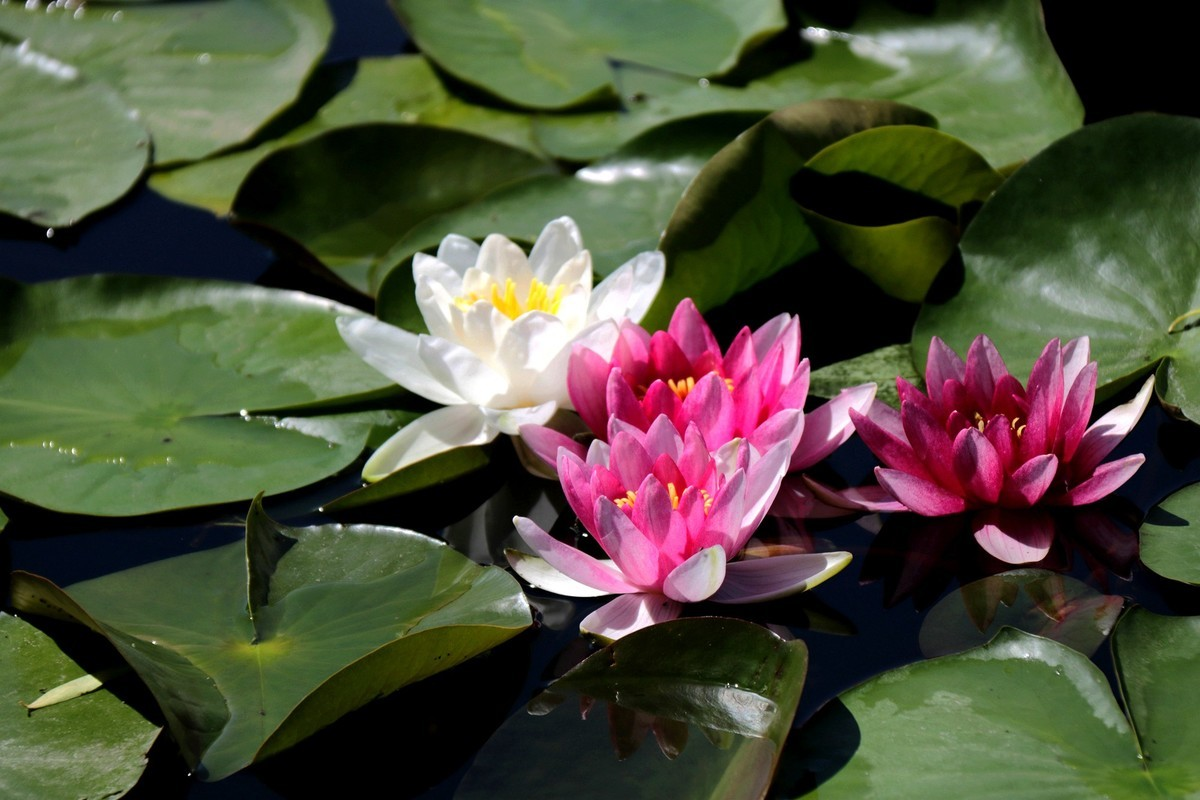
column 125, row 395
column 879, row 367
column 984, row 68
column 349, row 613
column 69, row 145
column 1170, row 536
column 349, row 194
column 1022, row 715
column 1092, row 238
column 738, row 223
column 548, row 54
column 203, row 75
column 402, row 89
column 93, row 746
column 733, row 683
column 1036, row 601
column 434, row 471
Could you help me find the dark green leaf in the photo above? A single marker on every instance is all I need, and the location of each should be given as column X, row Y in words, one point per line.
column 879, row 367
column 424, row 474
column 1170, row 536
column 266, row 543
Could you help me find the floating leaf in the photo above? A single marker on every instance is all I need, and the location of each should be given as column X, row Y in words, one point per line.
column 353, row 612
column 738, row 223
column 1170, row 536
column 1021, row 715
column 94, row 746
column 984, row 68
column 202, row 75
column 69, row 146
column 1092, row 238
column 348, row 209
column 122, row 395
column 398, row 89
column 879, row 367
column 734, row 683
column 1047, row 604
column 439, row 469
column 548, row 54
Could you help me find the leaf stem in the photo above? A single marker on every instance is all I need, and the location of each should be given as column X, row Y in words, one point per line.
column 1186, row 315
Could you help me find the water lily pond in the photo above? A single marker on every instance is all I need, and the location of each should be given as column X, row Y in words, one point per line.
column 493, row 399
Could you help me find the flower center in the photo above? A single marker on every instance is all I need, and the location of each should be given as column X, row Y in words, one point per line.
column 683, row 387
column 631, row 497
column 1015, row 424
column 539, row 298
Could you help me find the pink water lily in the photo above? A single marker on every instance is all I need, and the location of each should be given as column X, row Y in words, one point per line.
column 742, row 393
column 671, row 516
column 981, row 440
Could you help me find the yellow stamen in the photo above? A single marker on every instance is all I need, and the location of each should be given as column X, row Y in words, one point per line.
column 674, row 495
column 1017, row 426
column 539, row 298
column 980, row 422
column 627, row 500
column 681, row 387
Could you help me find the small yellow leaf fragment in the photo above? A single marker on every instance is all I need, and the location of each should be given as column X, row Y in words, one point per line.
column 68, row 691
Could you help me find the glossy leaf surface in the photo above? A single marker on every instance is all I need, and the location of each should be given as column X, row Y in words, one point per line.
column 122, row 395
column 1170, row 536
column 351, row 613
column 92, row 746
column 879, row 367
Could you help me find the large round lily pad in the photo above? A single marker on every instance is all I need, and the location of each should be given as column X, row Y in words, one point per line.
column 1170, row 536
column 124, row 395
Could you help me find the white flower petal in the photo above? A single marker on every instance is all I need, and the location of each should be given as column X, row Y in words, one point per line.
column 456, row 367
column 628, row 613
column 442, row 317
column 501, row 259
column 559, row 242
column 427, row 436
column 698, row 577
column 538, row 573
column 510, row 420
column 630, row 289
column 394, row 352
column 754, row 580
column 428, row 268
column 458, row 252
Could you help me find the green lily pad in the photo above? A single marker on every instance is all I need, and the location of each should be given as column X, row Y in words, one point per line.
column 128, row 395
column 1170, row 536
column 984, row 68
column 348, row 209
column 202, row 75
column 93, row 746
column 349, row 613
column 401, row 89
column 738, row 223
column 547, row 54
column 1022, row 716
column 734, row 683
column 621, row 203
column 879, row 367
column 69, row 145
column 890, row 202
column 1047, row 604
column 1092, row 238
column 434, row 471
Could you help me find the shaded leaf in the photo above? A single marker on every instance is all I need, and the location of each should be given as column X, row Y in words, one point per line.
column 880, row 367
column 123, row 395
column 266, row 543
column 94, row 746
column 354, row 612
column 439, row 469
column 1170, row 536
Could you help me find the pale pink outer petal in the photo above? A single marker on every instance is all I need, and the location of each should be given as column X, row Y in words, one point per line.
column 1014, row 537
column 698, row 577
column 574, row 563
column 827, row 427
column 755, row 580
column 544, row 442
column 1105, row 480
column 1075, row 354
column 786, row 426
column 1108, row 431
column 762, row 485
column 631, row 550
column 393, row 352
column 919, row 495
column 782, row 330
column 629, row 613
column 881, row 431
column 630, row 289
column 800, row 497
column 538, row 573
column 438, row 431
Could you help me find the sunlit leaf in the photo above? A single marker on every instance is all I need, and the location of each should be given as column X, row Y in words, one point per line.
column 714, row 696
column 69, row 146
column 879, row 367
column 353, row 613
column 984, row 68
column 123, row 395
column 348, row 209
column 92, row 746
column 1170, row 536
column 1020, row 716
column 548, row 54
column 398, row 89
column 202, row 75
column 1094, row 237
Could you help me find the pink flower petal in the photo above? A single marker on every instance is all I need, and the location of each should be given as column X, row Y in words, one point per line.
column 573, row 563
column 575, row 478
column 622, row 403
column 698, row 577
column 893, row 450
column 942, row 364
column 931, row 445
column 1014, row 537
column 629, row 460
column 1028, row 483
column 1108, row 431
column 756, row 580
column 1045, row 392
column 1077, row 409
column 984, row 367
column 629, row 613
column 538, row 573
column 827, row 427
column 631, row 550
column 978, row 466
column 544, row 442
column 919, row 495
column 652, row 513
column 691, row 332
column 587, row 381
column 826, row 501
column 1105, row 480
column 666, row 358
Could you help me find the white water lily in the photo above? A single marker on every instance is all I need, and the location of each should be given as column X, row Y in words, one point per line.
column 501, row 327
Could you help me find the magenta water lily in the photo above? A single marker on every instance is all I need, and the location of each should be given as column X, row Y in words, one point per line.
column 671, row 516
column 981, row 440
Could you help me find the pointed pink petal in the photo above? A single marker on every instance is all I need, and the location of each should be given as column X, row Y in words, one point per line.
column 978, row 466
column 631, row 550
column 1045, row 393
column 828, row 426
column 587, row 379
column 652, row 512
column 919, row 495
column 755, row 580
column 1075, row 354
column 629, row 460
column 1077, row 410
column 785, row 329
column 1106, row 479
column 724, row 521
column 1000, row 433
column 710, row 406
column 697, row 578
column 890, row 448
column 740, row 360
column 694, row 460
column 573, row 563
column 1027, row 484
column 1014, row 537
column 1108, row 431
column 629, row 613
column 762, row 484
column 544, row 442
column 931, row 445
column 870, row 498
column 663, row 438
column 691, row 332
column 666, row 358
column 984, row 367
column 622, row 403
column 575, row 478
column 660, row 400
column 538, row 573
column 942, row 364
